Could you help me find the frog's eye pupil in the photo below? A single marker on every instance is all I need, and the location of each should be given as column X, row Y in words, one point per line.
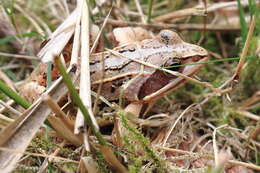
column 173, row 64
column 174, row 67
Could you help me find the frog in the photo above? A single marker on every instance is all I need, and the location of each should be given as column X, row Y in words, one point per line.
column 123, row 76
column 136, row 82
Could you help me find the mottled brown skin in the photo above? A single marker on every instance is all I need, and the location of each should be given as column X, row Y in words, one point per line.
column 136, row 81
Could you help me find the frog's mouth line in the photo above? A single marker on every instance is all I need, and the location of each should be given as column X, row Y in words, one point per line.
column 188, row 70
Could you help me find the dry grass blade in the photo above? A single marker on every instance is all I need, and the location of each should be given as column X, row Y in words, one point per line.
column 113, row 161
column 215, row 146
column 88, row 164
column 179, row 27
column 29, row 125
column 85, row 84
column 246, row 47
column 180, row 14
column 62, row 125
column 45, row 164
column 210, row 156
column 173, row 126
column 19, row 56
column 64, row 131
column 18, row 152
column 11, row 129
column 240, row 65
column 197, row 10
column 10, row 109
column 76, row 39
column 4, row 121
column 140, row 11
column 59, row 38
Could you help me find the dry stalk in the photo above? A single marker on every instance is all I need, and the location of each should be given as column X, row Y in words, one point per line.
column 9, row 103
column 19, row 56
column 215, row 146
column 240, row 65
column 10, row 109
column 175, row 123
column 210, row 156
column 85, row 84
column 140, row 11
column 102, row 60
column 180, row 27
column 248, row 115
column 197, row 10
column 76, row 39
column 38, row 155
column 46, row 161
column 57, row 110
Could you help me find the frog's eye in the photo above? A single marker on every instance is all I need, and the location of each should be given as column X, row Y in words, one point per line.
column 169, row 37
column 173, row 64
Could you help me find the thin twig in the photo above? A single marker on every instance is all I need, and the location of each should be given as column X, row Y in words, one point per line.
column 215, row 146
column 11, row 109
column 19, row 56
column 243, row 54
column 175, row 123
column 180, row 27
column 209, row 155
column 38, row 155
column 140, row 11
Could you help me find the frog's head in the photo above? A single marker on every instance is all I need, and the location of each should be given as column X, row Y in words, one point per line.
column 181, row 57
column 168, row 51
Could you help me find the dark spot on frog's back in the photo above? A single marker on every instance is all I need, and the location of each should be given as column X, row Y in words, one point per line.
column 122, row 51
column 131, row 49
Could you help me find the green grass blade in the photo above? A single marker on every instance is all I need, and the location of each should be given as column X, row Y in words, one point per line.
column 75, row 97
column 49, row 76
column 13, row 95
column 150, row 7
column 243, row 24
column 214, row 61
column 252, row 7
column 12, row 38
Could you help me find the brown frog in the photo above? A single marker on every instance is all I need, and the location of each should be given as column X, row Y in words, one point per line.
column 122, row 74
column 138, row 82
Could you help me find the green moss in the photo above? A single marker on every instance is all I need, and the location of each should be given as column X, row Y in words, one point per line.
column 101, row 162
column 139, row 140
column 250, row 80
